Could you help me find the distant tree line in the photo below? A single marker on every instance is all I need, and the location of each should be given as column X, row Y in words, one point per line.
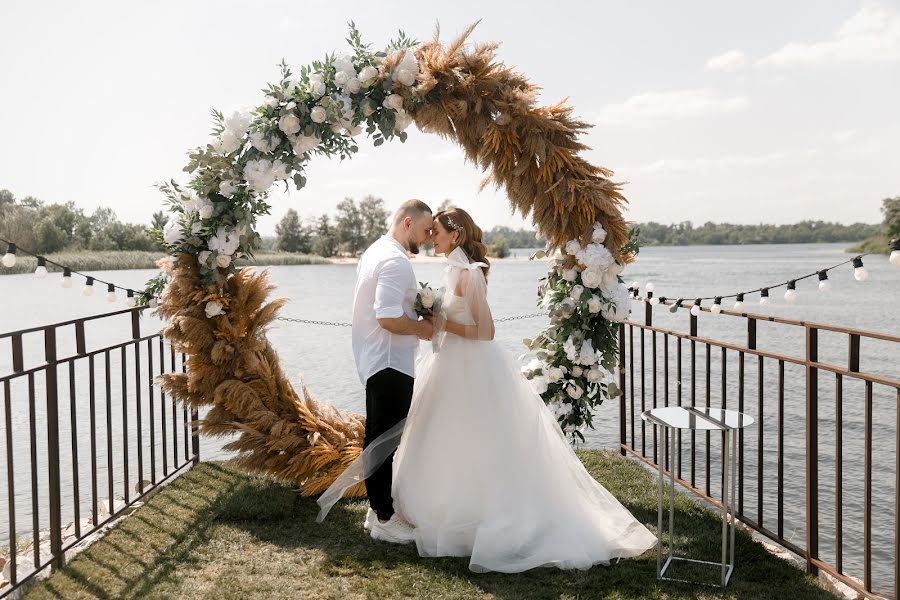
column 349, row 232
column 887, row 231
column 56, row 227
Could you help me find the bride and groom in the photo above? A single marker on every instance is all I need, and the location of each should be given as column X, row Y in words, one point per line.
column 460, row 455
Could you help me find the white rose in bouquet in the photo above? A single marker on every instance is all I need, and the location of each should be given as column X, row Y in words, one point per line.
column 318, row 114
column 305, row 143
column 353, row 85
column 394, row 102
column 573, row 247
column 594, row 375
column 577, row 371
column 341, row 78
column 574, row 391
column 594, row 305
column 289, row 123
column 427, row 295
column 213, row 308
column 203, row 257
column 599, row 235
column 223, row 260
column 172, row 233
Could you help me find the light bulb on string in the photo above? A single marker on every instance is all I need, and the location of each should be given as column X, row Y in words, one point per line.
column 110, row 293
column 716, row 308
column 153, row 303
column 41, row 271
column 824, row 283
column 895, row 252
column 130, row 301
column 634, row 286
column 653, row 300
column 650, row 287
column 9, row 259
column 67, row 277
column 674, row 308
column 790, row 295
column 739, row 303
column 695, row 309
column 88, row 288
column 859, row 271
column 764, row 297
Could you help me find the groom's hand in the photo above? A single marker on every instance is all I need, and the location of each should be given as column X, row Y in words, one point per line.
column 425, row 329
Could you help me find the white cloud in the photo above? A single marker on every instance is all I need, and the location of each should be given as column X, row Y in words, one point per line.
column 843, row 136
column 871, row 35
column 701, row 165
column 655, row 106
column 728, row 61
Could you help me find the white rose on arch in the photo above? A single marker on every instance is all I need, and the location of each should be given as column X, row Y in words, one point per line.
column 569, row 274
column 573, row 247
column 367, row 74
column 592, row 278
column 574, row 391
column 172, row 233
column 539, row 384
column 599, row 234
column 318, row 114
column 227, row 187
column 403, row 120
column 587, row 356
column 305, row 143
column 223, row 260
column 594, row 304
column 394, row 102
column 594, row 375
column 213, row 308
column 288, row 123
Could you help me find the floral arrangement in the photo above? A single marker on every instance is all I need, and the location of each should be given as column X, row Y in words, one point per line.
column 317, row 112
column 428, row 300
column 577, row 352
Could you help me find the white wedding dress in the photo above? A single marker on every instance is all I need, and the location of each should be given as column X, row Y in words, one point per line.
column 484, row 470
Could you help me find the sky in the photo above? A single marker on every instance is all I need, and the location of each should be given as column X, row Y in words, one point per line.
column 764, row 111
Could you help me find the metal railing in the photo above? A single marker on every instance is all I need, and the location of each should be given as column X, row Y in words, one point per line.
column 81, row 426
column 825, row 439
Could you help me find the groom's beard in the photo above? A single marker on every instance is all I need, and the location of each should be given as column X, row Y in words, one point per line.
column 413, row 247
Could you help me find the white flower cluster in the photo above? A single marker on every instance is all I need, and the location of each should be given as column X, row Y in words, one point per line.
column 585, row 297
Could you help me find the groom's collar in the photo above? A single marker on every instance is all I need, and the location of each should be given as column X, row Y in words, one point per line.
column 395, row 241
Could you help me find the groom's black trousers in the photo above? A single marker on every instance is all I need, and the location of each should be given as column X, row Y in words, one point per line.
column 388, row 397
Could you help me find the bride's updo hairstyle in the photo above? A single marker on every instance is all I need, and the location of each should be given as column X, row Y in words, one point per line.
column 470, row 235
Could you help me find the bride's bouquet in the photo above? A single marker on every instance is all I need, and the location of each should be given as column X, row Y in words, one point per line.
column 428, row 300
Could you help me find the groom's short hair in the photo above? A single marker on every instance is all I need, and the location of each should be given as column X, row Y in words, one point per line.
column 411, row 208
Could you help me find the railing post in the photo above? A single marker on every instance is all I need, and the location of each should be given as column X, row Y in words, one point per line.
column 622, row 414
column 55, row 502
column 812, row 449
column 195, row 435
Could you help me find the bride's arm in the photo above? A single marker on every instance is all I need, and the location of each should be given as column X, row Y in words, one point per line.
column 483, row 328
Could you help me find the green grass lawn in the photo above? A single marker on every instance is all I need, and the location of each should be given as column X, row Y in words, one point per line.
column 218, row 533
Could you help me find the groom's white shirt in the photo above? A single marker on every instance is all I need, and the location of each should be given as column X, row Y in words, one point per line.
column 385, row 289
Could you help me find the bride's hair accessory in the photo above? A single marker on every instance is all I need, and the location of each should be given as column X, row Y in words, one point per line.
column 453, row 224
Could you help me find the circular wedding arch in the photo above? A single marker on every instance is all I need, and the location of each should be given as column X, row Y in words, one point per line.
column 217, row 315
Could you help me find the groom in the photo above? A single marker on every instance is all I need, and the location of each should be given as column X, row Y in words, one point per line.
column 386, row 334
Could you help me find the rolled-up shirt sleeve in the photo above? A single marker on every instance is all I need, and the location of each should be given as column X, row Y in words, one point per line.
column 390, row 291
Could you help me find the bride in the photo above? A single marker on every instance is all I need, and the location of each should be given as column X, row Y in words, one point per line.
column 483, row 469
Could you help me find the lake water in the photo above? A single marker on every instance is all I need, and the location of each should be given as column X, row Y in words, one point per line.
column 321, row 355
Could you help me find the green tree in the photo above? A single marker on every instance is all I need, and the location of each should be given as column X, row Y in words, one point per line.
column 374, row 218
column 291, row 236
column 887, row 231
column 350, row 227
column 48, row 237
column 325, row 238
column 6, row 198
column 499, row 247
column 446, row 204
column 159, row 220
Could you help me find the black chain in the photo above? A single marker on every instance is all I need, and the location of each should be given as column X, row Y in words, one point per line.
column 340, row 324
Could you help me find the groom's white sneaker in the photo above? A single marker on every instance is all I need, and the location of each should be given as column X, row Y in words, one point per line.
column 370, row 518
column 396, row 531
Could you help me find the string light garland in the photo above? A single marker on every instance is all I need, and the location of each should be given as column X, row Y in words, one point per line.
column 132, row 296
column 859, row 273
